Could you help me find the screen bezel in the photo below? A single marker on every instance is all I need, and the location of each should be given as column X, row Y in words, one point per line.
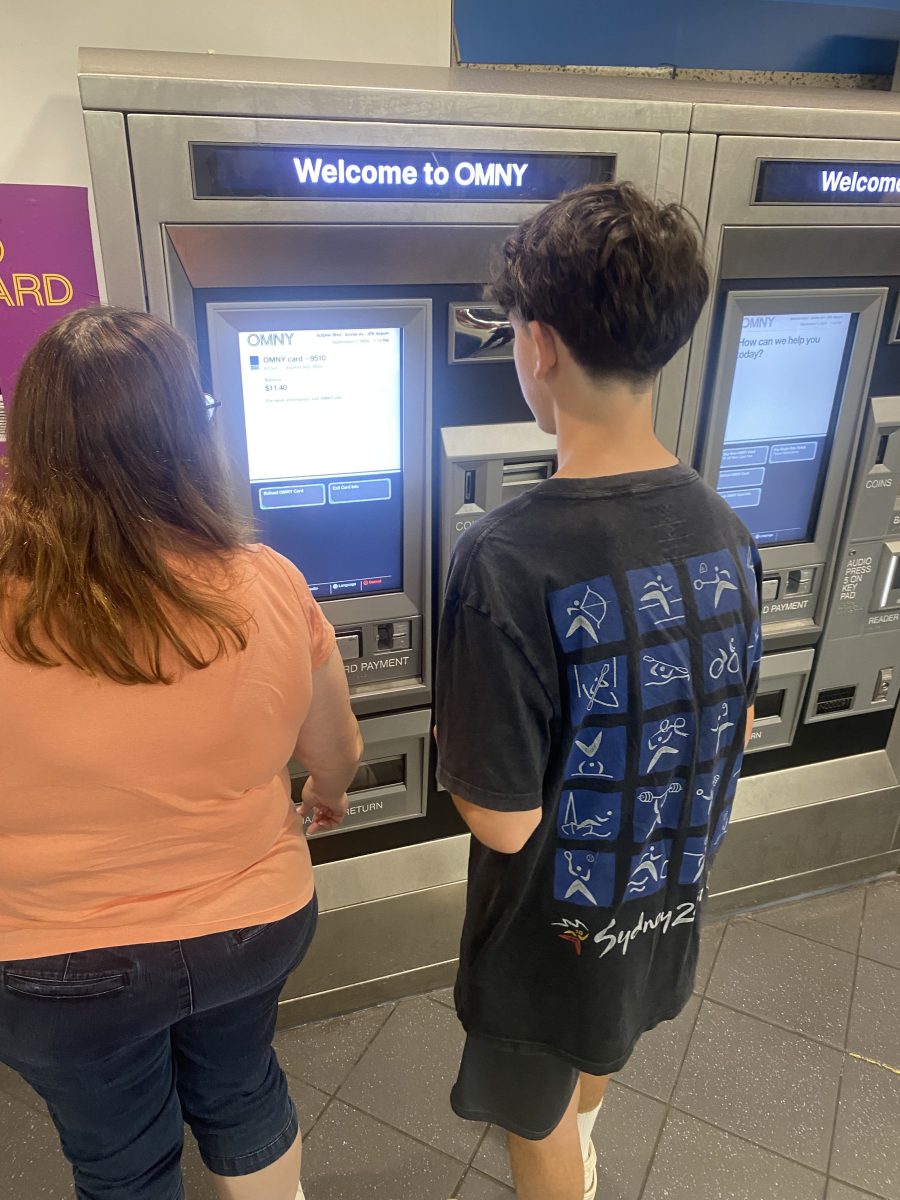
column 867, row 305
column 226, row 320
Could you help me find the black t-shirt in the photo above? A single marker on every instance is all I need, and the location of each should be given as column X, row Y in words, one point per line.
column 599, row 649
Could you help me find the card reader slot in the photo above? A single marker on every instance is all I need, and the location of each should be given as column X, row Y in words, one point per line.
column 379, row 773
column 520, row 476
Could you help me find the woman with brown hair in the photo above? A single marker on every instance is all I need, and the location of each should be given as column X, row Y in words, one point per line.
column 157, row 673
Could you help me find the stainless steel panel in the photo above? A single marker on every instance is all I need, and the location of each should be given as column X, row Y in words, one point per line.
column 791, row 843
column 220, row 256
column 793, row 887
column 811, row 113
column 114, row 205
column 816, row 783
column 411, row 869
column 161, row 82
column 162, row 175
column 789, row 252
column 377, row 951
column 787, row 673
column 672, row 161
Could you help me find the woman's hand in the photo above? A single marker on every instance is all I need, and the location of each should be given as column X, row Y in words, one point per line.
column 327, row 812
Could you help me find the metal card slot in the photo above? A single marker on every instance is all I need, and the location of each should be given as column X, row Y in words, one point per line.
column 378, row 773
column 479, row 333
column 521, row 476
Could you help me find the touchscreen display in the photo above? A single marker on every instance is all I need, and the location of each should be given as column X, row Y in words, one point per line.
column 784, row 405
column 323, row 417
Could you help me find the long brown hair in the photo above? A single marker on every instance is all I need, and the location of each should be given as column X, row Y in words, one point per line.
column 114, row 478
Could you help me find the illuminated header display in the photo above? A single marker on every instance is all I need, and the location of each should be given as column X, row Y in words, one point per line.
column 235, row 172
column 780, row 181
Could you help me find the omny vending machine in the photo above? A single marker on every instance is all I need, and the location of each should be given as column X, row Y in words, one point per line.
column 791, row 410
column 323, row 233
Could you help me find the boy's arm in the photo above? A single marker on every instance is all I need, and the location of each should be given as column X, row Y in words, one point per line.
column 505, row 832
column 492, row 730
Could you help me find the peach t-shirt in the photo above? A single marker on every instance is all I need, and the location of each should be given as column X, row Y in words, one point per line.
column 149, row 813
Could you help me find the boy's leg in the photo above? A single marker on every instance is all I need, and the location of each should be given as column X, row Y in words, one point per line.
column 551, row 1169
column 592, row 1089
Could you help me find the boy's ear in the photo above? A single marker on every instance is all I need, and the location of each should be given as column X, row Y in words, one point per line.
column 546, row 352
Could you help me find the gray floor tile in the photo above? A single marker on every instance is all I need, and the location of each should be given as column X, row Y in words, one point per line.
column 840, row 1191
column 694, row 1159
column 405, row 1077
column 763, row 1083
column 881, row 925
column 875, row 1018
column 833, row 918
column 866, row 1146
column 309, row 1101
column 197, row 1182
column 786, row 979
column 625, row 1138
column 481, row 1187
column 625, row 1135
column 351, row 1156
column 654, row 1066
column 492, row 1158
column 14, row 1087
column 710, row 940
column 33, row 1166
column 324, row 1054
column 444, row 996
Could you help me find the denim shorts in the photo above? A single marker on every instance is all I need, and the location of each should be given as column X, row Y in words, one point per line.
column 126, row 1045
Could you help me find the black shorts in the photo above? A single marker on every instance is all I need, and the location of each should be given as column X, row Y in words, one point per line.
column 523, row 1090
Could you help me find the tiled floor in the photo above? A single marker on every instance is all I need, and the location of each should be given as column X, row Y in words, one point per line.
column 779, row 1081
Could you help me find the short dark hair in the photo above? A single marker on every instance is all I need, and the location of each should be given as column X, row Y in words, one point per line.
column 619, row 277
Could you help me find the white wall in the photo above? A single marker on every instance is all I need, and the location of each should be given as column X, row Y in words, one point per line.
column 41, row 134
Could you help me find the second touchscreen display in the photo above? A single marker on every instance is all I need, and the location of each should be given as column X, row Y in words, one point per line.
column 785, row 400
column 323, row 418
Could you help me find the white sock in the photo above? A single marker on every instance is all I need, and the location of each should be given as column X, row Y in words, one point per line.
column 586, row 1123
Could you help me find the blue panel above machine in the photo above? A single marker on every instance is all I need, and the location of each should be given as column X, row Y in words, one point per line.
column 759, row 35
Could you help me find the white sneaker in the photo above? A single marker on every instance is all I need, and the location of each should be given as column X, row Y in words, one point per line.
column 590, row 1173
column 300, row 1195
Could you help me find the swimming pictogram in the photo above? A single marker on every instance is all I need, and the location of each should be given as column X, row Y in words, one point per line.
column 650, row 871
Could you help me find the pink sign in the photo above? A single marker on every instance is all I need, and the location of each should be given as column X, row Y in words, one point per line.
column 46, row 269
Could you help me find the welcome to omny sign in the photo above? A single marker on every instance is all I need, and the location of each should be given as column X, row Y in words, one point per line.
column 237, row 172
column 781, row 181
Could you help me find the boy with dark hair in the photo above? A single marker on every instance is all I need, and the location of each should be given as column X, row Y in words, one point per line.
column 597, row 668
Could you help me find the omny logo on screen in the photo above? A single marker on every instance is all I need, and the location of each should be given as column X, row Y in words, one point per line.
column 321, row 402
